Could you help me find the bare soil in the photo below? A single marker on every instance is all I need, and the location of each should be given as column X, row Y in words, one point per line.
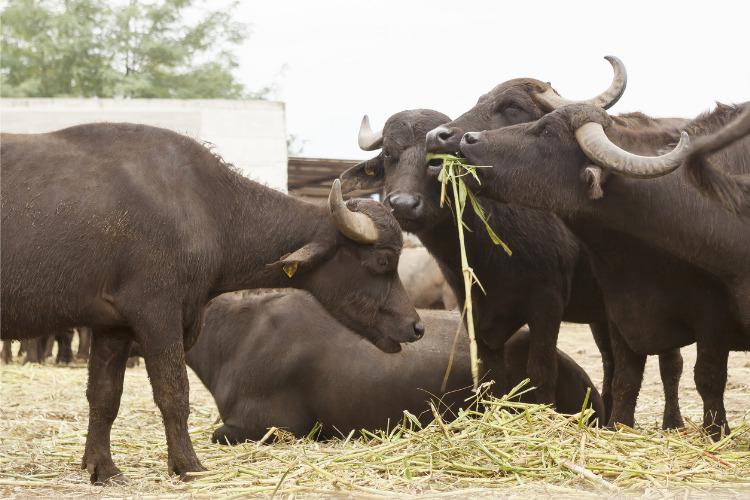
column 577, row 341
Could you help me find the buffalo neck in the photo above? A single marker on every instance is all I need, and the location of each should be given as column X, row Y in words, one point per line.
column 260, row 226
column 672, row 214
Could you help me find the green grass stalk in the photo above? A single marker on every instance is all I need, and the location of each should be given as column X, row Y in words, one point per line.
column 454, row 168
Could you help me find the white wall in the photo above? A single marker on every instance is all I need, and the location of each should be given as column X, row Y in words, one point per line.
column 249, row 134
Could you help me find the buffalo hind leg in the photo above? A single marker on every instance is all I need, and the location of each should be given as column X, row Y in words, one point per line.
column 670, row 368
column 165, row 364
column 626, row 380
column 711, row 380
column 109, row 353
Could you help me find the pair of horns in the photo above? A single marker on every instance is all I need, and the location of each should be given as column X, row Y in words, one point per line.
column 549, row 100
column 354, row 225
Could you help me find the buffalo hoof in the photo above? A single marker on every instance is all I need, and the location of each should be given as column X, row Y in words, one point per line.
column 117, row 480
column 104, row 472
column 672, row 422
column 185, row 470
column 715, row 431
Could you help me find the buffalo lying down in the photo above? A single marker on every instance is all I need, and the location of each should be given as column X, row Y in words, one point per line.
column 279, row 359
column 132, row 230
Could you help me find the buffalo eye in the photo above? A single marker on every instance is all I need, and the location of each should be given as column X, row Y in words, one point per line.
column 544, row 131
column 510, row 108
column 386, row 154
column 382, row 261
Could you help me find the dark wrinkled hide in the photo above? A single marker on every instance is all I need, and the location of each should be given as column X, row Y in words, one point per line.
column 668, row 256
column 131, row 230
column 280, row 360
column 547, row 279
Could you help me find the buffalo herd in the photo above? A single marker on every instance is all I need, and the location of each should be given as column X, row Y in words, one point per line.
column 636, row 226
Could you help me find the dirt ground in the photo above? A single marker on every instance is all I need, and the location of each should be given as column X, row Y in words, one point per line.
column 43, row 420
column 577, row 341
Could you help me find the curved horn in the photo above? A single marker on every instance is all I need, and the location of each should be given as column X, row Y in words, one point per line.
column 597, row 146
column 369, row 140
column 549, row 99
column 354, row 225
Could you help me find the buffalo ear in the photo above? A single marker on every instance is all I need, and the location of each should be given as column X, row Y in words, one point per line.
column 303, row 259
column 366, row 175
column 595, row 177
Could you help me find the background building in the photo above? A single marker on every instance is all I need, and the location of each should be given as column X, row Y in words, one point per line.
column 249, row 134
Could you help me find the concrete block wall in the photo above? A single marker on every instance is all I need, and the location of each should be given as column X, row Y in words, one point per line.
column 249, row 134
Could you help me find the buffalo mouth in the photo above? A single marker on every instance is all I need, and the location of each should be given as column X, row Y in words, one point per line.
column 387, row 345
column 434, row 165
column 410, row 225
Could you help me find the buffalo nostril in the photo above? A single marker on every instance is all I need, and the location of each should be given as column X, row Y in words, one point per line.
column 418, row 330
column 471, row 137
column 444, row 135
column 403, row 203
column 438, row 138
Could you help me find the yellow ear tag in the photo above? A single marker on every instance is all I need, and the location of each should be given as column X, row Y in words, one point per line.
column 369, row 170
column 290, row 269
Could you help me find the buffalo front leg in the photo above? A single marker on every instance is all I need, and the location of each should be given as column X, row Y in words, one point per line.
column 626, row 379
column 600, row 331
column 544, row 326
column 711, row 380
column 670, row 368
column 109, row 353
column 165, row 365
column 492, row 367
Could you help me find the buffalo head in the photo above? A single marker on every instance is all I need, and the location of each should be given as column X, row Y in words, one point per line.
column 410, row 193
column 550, row 163
column 363, row 247
column 517, row 101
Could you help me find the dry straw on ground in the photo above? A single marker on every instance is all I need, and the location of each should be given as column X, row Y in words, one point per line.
column 491, row 453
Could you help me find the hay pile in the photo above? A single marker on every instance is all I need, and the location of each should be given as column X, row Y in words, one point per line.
column 532, row 451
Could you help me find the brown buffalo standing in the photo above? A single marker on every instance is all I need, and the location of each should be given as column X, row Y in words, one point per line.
column 132, row 229
column 697, row 267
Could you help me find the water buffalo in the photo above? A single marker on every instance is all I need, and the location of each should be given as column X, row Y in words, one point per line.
column 132, row 229
column 547, row 279
column 423, row 279
column 662, row 251
column 278, row 359
column 532, row 287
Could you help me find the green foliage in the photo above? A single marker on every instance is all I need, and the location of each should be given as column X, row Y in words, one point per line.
column 121, row 48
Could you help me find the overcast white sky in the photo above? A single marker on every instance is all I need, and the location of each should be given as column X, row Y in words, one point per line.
column 332, row 61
